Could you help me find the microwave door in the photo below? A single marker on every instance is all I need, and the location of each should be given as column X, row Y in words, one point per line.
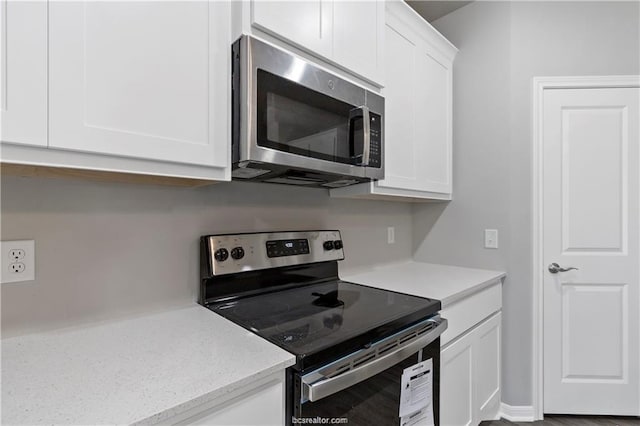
column 295, row 120
column 360, row 136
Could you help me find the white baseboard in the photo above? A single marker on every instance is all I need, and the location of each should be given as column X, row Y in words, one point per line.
column 517, row 413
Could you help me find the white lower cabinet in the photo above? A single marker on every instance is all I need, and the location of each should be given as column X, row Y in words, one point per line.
column 470, row 375
column 258, row 404
column 456, row 383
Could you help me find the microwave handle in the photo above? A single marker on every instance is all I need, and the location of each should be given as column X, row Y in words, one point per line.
column 362, row 112
column 330, row 385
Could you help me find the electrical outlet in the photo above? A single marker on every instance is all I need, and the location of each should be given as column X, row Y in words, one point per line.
column 16, row 254
column 17, row 268
column 391, row 235
column 491, row 238
column 17, row 261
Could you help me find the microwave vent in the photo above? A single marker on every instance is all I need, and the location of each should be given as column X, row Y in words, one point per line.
column 248, row 173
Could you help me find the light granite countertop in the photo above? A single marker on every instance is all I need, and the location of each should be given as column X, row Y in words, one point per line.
column 144, row 369
column 445, row 283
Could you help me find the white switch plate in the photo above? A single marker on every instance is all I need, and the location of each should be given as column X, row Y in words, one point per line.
column 491, row 238
column 391, row 235
column 17, row 261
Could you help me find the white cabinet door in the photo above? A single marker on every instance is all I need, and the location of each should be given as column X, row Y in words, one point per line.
column 258, row 404
column 470, row 376
column 417, row 111
column 433, row 131
column 261, row 407
column 456, row 383
column 358, row 37
column 487, row 368
column 401, row 165
column 308, row 24
column 24, row 72
column 141, row 79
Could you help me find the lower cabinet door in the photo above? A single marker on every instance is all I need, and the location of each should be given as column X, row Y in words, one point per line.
column 487, row 372
column 470, row 375
column 260, row 404
column 456, row 383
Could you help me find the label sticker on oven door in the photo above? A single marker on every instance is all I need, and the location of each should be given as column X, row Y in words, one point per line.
column 417, row 393
column 423, row 417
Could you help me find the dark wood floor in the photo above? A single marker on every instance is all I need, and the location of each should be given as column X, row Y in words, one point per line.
column 573, row 421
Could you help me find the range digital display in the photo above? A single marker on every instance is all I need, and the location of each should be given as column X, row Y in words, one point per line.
column 279, row 248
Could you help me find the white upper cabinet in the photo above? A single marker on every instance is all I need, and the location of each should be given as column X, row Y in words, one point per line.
column 358, row 37
column 418, row 112
column 24, row 72
column 308, row 24
column 139, row 79
column 347, row 34
column 118, row 87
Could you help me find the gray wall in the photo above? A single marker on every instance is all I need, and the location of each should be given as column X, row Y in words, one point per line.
column 502, row 47
column 109, row 250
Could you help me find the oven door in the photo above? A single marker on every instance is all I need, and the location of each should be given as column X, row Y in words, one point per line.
column 368, row 392
column 294, row 114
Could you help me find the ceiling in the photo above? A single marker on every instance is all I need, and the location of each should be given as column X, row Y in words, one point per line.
column 432, row 10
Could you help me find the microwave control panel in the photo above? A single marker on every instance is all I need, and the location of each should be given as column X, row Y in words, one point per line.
column 375, row 157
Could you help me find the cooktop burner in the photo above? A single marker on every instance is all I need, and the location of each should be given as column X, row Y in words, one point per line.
column 309, row 319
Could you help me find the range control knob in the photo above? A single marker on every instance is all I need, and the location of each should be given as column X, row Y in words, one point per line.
column 337, row 244
column 237, row 253
column 221, row 254
column 328, row 245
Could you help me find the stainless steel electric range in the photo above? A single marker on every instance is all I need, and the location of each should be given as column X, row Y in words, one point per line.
column 352, row 342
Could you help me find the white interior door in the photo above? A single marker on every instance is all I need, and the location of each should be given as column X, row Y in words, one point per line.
column 591, row 222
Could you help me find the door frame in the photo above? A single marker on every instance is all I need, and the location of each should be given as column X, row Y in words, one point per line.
column 540, row 84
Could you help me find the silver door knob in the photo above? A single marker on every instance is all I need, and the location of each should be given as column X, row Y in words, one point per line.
column 554, row 268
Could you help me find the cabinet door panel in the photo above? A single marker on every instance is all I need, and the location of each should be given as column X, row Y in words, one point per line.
column 260, row 407
column 487, row 372
column 433, row 142
column 140, row 79
column 400, row 163
column 24, row 72
column 308, row 24
column 418, row 113
column 456, row 389
column 357, row 26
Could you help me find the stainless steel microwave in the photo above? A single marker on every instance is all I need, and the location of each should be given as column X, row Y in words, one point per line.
column 296, row 123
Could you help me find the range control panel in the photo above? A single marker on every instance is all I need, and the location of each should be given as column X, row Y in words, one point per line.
column 233, row 253
column 278, row 248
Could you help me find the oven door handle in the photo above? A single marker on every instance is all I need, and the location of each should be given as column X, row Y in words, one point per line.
column 316, row 388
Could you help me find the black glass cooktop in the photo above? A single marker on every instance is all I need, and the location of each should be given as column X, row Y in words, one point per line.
column 322, row 321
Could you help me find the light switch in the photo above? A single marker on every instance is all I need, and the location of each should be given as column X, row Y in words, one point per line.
column 491, row 238
column 391, row 235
